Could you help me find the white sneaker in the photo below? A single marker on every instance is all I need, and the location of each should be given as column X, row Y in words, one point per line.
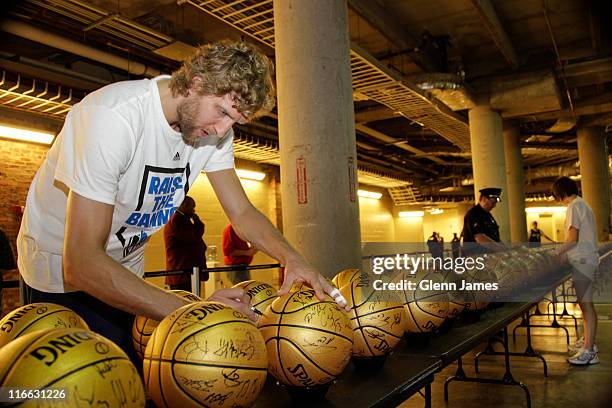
column 584, row 357
column 578, row 345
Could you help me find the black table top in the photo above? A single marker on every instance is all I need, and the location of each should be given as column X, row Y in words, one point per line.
column 400, row 377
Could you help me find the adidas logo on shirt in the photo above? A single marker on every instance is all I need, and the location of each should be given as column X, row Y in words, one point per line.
column 176, row 157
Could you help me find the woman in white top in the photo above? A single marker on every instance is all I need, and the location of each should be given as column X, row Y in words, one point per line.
column 580, row 247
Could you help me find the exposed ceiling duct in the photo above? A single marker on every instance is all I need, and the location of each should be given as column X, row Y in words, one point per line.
column 448, row 88
column 563, row 124
column 52, row 40
column 522, row 94
column 571, row 169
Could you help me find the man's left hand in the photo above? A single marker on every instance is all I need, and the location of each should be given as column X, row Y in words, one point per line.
column 235, row 298
column 298, row 270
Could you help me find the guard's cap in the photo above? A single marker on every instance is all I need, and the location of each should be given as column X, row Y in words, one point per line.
column 491, row 192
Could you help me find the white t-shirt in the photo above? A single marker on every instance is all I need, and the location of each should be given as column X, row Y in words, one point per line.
column 116, row 147
column 580, row 216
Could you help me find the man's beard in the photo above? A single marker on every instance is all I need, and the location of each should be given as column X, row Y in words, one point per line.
column 187, row 112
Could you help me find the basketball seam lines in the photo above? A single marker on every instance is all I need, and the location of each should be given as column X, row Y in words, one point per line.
column 304, row 354
column 359, row 323
column 206, row 328
column 163, row 345
column 192, row 363
column 40, row 317
column 400, row 306
column 280, row 319
column 303, row 307
column 306, row 327
column 355, row 305
column 414, row 320
column 431, row 314
column 384, row 331
column 82, row 367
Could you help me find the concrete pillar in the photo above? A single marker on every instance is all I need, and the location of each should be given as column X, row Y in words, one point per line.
column 595, row 178
column 514, row 182
column 317, row 132
column 488, row 161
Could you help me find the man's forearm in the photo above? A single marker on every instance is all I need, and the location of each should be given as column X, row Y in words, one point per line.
column 115, row 285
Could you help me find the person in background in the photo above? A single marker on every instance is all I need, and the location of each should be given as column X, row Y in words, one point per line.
column 432, row 244
column 580, row 249
column 237, row 252
column 535, row 236
column 479, row 226
column 7, row 260
column 456, row 246
column 440, row 250
column 185, row 246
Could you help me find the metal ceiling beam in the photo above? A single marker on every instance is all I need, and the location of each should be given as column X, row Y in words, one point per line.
column 375, row 114
column 399, row 143
column 553, row 146
column 589, row 106
column 604, row 119
column 497, row 31
column 392, row 29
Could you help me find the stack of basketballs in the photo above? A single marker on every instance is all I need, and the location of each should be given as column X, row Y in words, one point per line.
column 208, row 354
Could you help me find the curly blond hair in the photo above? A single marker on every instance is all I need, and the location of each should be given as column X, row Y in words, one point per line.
column 229, row 67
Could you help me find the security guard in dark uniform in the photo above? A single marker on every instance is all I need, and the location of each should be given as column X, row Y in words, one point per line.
column 479, row 226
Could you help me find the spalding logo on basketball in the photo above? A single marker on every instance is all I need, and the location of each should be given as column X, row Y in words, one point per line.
column 260, row 293
column 92, row 369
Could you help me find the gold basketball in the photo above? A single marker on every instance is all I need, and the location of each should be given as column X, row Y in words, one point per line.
column 37, row 316
column 426, row 306
column 309, row 341
column 260, row 293
column 377, row 318
column 90, row 368
column 205, row 355
column 143, row 327
column 457, row 299
column 346, row 276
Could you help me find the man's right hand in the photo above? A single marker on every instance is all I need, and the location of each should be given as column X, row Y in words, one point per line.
column 235, row 298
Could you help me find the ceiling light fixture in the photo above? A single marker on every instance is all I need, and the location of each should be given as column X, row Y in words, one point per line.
column 24, row 135
column 369, row 194
column 250, row 175
column 405, row 214
column 545, row 210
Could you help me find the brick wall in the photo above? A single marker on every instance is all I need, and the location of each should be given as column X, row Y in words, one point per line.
column 18, row 164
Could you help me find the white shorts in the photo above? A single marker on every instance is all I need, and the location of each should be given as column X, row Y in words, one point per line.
column 583, row 270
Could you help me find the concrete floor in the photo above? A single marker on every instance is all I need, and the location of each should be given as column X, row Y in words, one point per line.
column 565, row 386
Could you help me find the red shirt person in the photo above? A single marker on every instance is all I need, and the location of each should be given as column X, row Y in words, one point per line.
column 185, row 246
column 236, row 251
